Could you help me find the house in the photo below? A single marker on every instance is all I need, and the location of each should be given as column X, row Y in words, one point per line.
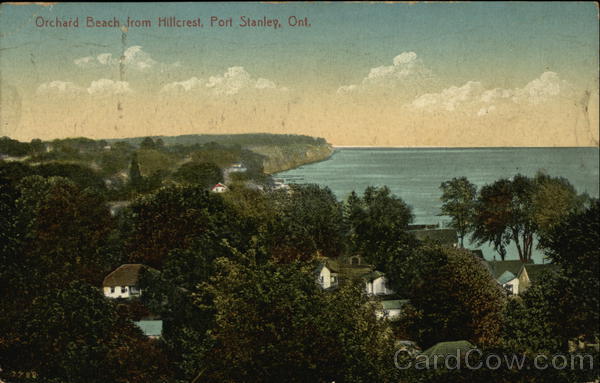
column 391, row 308
column 530, row 273
column 437, row 354
column 219, row 188
column 123, row 282
column 445, row 237
column 327, row 277
column 151, row 328
column 237, row 167
column 376, row 284
column 505, row 273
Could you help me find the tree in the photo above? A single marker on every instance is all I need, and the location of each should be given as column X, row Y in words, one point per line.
column 135, row 176
column 452, row 297
column 377, row 220
column 205, row 174
column 174, row 217
column 515, row 210
column 274, row 323
column 458, row 202
column 573, row 245
column 309, row 221
column 63, row 232
column 74, row 334
column 148, row 143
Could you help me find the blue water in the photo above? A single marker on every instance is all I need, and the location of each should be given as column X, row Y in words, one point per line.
column 415, row 175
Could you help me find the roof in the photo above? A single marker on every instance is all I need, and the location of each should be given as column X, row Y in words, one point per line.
column 449, row 348
column 534, row 271
column 443, row 236
column 124, row 275
column 373, row 275
column 497, row 268
column 150, row 327
column 506, row 276
column 219, row 185
column 394, row 304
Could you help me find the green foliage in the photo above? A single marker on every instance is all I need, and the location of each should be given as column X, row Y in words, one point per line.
column 458, row 202
column 14, row 148
column 174, row 217
column 205, row 174
column 309, row 222
column 74, row 334
column 519, row 208
column 378, row 222
column 452, row 297
column 273, row 323
column 573, row 245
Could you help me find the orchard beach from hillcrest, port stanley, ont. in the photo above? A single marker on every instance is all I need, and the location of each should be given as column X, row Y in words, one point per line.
column 323, row 192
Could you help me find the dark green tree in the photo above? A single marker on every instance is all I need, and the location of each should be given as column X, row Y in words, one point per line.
column 452, row 297
column 274, row 323
column 205, row 174
column 377, row 221
column 458, row 202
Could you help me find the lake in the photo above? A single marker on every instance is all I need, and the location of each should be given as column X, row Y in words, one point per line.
column 415, row 174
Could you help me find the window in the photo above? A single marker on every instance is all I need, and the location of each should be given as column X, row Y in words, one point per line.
column 123, row 289
column 112, row 290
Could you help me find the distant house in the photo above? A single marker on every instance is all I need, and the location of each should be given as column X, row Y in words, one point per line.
column 237, row 167
column 437, row 354
column 151, row 328
column 327, row 277
column 505, row 273
column 219, row 188
column 123, row 282
column 391, row 308
column 116, row 206
column 530, row 273
column 376, row 284
column 445, row 237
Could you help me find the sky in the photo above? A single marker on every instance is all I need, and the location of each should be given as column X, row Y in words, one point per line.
column 377, row 74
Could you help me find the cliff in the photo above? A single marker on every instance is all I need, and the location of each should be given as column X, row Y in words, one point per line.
column 284, row 157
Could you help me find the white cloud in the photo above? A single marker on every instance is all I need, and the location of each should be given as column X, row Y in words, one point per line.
column 236, row 79
column 450, row 98
column 183, row 86
column 84, row 61
column 540, row 90
column 473, row 95
column 108, row 87
column 134, row 57
column 58, row 86
column 405, row 68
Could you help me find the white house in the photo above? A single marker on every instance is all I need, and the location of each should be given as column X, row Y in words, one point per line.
column 376, row 284
column 237, row 167
column 123, row 282
column 391, row 308
column 219, row 188
column 326, row 277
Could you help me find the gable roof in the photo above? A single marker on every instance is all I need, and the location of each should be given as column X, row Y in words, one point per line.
column 394, row 304
column 443, row 236
column 449, row 348
column 497, row 268
column 534, row 271
column 372, row 275
column 124, row 275
column 506, row 276
column 150, row 327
